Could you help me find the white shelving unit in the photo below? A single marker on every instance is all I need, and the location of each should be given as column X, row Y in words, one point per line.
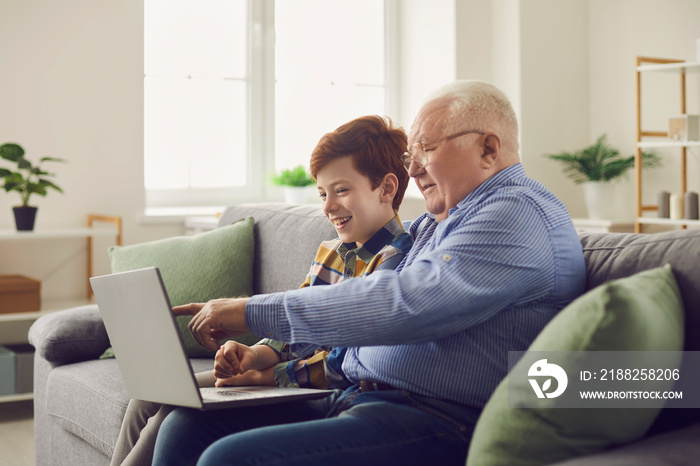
column 6, row 235
column 14, row 326
column 660, row 139
column 668, row 221
column 667, row 144
column 664, row 64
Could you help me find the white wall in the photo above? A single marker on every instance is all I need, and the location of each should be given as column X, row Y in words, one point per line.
column 536, row 51
column 424, row 65
column 71, row 87
column 554, row 96
column 427, row 55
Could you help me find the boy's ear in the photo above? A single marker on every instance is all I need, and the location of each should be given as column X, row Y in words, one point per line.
column 389, row 185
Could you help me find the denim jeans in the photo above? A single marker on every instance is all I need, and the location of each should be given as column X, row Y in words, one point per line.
column 346, row 428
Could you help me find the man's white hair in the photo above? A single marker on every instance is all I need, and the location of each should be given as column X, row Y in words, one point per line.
column 480, row 106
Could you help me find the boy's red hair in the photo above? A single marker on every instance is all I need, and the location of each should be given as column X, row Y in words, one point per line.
column 375, row 147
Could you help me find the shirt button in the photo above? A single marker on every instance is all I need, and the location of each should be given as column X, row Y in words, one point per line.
column 447, row 258
column 348, row 272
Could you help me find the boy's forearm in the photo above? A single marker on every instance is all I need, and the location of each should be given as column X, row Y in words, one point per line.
column 251, row 377
column 267, row 376
column 265, row 357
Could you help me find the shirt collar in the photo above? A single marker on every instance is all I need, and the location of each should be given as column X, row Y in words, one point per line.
column 509, row 173
column 372, row 246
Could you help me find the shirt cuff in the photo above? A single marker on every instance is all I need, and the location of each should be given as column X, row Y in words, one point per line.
column 261, row 316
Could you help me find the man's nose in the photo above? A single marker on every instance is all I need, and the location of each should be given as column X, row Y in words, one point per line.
column 414, row 169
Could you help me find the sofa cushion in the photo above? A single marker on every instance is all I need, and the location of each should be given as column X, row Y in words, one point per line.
column 286, row 240
column 678, row 448
column 214, row 264
column 69, row 336
column 639, row 313
column 610, row 256
column 89, row 400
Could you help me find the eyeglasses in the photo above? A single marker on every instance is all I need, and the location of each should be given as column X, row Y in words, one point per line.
column 417, row 152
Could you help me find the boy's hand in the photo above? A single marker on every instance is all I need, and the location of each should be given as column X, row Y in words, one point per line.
column 250, row 377
column 233, row 359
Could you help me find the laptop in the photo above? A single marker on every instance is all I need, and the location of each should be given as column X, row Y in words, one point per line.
column 151, row 355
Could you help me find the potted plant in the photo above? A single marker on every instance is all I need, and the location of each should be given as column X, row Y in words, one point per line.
column 595, row 167
column 294, row 181
column 26, row 180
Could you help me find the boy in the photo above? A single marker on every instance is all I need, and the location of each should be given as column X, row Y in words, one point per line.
column 361, row 182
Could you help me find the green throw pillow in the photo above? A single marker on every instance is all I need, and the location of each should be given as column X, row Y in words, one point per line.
column 195, row 269
column 643, row 312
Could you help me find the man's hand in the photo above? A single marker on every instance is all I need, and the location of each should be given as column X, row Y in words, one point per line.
column 215, row 320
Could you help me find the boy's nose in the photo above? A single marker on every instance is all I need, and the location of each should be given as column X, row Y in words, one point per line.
column 330, row 205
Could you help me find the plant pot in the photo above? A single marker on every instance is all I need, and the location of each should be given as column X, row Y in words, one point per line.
column 295, row 194
column 600, row 199
column 24, row 217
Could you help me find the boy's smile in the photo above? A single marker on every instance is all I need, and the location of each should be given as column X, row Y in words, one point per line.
column 355, row 209
column 339, row 222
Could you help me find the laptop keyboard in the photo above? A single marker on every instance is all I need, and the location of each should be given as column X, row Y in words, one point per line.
column 245, row 393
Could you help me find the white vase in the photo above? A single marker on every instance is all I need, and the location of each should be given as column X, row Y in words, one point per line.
column 600, row 199
column 295, row 194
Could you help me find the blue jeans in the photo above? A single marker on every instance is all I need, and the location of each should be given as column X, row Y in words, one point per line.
column 346, row 428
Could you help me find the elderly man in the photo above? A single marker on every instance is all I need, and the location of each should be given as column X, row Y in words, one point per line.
column 495, row 259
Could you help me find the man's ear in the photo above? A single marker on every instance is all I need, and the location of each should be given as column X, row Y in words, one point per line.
column 492, row 149
column 389, row 186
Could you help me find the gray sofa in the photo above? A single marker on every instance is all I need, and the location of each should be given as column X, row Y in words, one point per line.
column 79, row 400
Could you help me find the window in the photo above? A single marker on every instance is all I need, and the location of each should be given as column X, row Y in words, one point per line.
column 235, row 90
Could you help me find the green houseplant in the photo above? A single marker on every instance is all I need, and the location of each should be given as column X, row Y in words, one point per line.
column 26, row 179
column 600, row 162
column 297, row 177
column 294, row 181
column 595, row 167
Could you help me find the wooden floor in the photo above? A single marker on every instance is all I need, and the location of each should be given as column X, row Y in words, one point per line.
column 17, row 434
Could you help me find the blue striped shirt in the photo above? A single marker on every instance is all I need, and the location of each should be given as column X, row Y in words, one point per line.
column 482, row 282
